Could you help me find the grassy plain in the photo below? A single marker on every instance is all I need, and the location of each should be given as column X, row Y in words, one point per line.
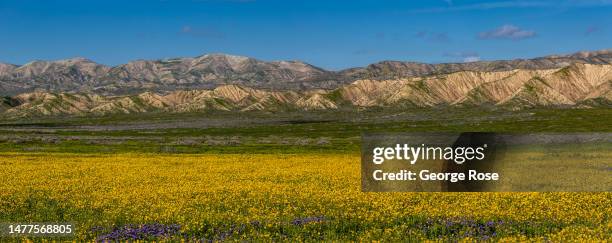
column 260, row 176
column 333, row 132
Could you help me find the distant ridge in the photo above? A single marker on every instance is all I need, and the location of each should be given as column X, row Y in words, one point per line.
column 214, row 70
column 574, row 85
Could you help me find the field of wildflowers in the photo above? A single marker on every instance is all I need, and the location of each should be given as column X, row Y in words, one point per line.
column 272, row 197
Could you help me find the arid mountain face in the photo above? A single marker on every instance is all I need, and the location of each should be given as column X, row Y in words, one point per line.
column 204, row 72
column 75, row 74
column 576, row 85
column 211, row 71
column 394, row 69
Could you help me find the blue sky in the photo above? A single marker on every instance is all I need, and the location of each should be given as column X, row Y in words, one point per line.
column 329, row 34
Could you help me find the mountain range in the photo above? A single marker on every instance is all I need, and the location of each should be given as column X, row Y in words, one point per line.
column 223, row 82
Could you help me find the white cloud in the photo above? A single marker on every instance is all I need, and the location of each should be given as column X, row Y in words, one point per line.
column 455, row 7
column 469, row 56
column 471, row 59
column 507, row 31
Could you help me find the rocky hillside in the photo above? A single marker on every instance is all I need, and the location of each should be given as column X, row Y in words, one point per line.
column 394, row 69
column 215, row 70
column 576, row 85
column 204, row 72
column 77, row 74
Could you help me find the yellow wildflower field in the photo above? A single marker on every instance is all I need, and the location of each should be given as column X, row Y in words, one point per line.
column 272, row 197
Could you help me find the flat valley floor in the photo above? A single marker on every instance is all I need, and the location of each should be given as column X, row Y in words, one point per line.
column 281, row 177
